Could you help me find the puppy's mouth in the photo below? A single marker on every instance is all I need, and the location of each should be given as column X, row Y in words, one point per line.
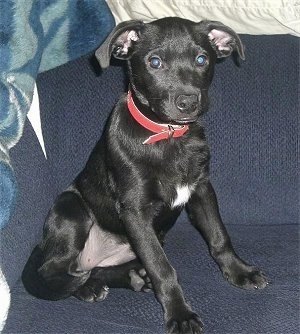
column 177, row 119
column 185, row 120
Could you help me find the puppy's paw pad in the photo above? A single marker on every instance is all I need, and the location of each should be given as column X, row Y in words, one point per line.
column 248, row 278
column 185, row 322
column 90, row 294
column 102, row 294
column 140, row 281
column 257, row 280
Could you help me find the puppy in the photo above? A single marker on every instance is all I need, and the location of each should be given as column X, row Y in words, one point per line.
column 107, row 229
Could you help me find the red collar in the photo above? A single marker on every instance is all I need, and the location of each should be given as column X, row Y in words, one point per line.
column 162, row 131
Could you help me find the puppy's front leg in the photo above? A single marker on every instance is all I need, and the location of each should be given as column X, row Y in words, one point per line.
column 204, row 214
column 179, row 318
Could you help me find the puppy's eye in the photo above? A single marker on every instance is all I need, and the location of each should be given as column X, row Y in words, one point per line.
column 155, row 62
column 201, row 60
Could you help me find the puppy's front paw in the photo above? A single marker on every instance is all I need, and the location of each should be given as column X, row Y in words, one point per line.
column 186, row 322
column 246, row 277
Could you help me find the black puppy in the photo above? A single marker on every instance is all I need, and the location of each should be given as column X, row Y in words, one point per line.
column 107, row 229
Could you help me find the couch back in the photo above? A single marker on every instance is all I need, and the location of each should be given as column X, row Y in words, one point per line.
column 253, row 129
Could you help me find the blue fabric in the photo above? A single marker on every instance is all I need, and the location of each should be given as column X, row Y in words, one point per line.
column 36, row 36
column 224, row 309
column 7, row 188
column 253, row 129
column 254, row 138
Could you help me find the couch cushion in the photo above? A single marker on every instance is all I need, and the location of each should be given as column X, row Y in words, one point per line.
column 223, row 308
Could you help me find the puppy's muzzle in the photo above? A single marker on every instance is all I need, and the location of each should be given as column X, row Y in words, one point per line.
column 187, row 104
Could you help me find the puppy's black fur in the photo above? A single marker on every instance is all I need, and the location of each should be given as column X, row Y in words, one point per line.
column 108, row 227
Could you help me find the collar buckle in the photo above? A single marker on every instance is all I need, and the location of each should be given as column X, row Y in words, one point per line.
column 171, row 131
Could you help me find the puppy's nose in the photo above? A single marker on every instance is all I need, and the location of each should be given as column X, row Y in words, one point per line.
column 187, row 103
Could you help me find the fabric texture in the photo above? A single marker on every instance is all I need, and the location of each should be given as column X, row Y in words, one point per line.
column 256, row 17
column 253, row 133
column 36, row 36
column 224, row 309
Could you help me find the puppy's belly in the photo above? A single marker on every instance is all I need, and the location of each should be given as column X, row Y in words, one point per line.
column 103, row 249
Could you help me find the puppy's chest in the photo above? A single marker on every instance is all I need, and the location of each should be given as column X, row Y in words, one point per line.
column 182, row 195
column 177, row 186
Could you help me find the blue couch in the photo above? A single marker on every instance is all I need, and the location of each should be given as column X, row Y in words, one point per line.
column 253, row 131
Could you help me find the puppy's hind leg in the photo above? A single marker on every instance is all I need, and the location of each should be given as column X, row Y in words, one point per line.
column 130, row 275
column 51, row 271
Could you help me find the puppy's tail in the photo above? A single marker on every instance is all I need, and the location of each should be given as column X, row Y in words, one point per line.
column 34, row 282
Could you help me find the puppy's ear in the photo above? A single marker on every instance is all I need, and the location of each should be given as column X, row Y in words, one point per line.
column 223, row 39
column 120, row 42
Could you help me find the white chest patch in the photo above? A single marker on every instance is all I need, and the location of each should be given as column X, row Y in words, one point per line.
column 183, row 195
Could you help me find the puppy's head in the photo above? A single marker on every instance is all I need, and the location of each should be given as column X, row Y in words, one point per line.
column 171, row 62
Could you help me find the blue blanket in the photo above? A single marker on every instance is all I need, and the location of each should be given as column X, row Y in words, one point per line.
column 36, row 36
